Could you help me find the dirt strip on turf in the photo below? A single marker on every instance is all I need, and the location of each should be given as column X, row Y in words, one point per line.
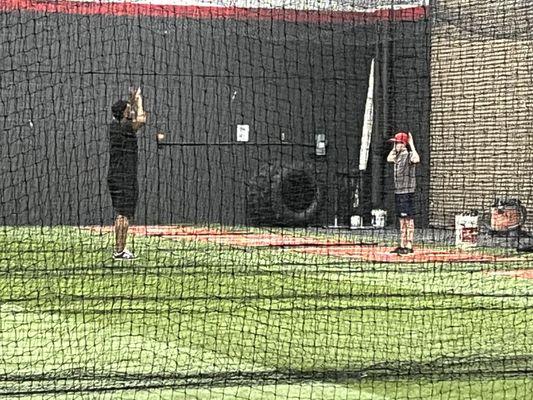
column 362, row 251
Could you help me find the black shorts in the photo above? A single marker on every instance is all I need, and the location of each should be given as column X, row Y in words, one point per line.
column 405, row 205
column 124, row 198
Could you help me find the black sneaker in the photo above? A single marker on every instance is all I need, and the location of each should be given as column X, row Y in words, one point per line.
column 406, row 250
column 397, row 250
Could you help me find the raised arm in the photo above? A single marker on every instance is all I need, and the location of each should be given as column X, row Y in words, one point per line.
column 392, row 155
column 138, row 114
column 415, row 157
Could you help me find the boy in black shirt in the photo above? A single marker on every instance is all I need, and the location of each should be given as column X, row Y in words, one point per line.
column 128, row 118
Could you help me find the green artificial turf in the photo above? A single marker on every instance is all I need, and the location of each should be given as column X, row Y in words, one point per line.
column 191, row 320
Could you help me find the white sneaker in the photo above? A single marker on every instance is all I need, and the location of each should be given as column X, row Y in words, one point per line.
column 124, row 255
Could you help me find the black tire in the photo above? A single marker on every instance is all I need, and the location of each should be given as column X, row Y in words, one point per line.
column 286, row 196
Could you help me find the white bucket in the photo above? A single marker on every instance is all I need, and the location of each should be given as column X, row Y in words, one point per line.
column 356, row 221
column 379, row 218
column 466, row 230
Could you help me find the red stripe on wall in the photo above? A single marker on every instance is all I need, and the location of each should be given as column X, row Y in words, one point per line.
column 201, row 12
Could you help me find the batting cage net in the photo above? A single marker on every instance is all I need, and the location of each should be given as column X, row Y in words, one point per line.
column 266, row 200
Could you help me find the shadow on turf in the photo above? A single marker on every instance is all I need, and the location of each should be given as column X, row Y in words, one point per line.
column 474, row 367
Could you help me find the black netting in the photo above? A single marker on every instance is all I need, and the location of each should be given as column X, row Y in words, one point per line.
column 259, row 236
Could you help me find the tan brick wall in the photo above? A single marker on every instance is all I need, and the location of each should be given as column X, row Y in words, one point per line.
column 482, row 106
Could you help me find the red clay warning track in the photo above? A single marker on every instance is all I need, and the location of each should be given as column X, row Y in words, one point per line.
column 331, row 247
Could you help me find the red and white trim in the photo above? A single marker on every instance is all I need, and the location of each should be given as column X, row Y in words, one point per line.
column 299, row 11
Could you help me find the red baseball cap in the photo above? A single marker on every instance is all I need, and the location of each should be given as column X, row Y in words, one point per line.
column 400, row 137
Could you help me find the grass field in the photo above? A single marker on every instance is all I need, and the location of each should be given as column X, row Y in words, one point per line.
column 192, row 320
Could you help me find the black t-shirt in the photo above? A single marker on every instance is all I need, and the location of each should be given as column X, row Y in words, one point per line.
column 122, row 154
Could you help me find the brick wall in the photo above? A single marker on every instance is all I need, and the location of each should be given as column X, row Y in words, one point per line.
column 482, row 110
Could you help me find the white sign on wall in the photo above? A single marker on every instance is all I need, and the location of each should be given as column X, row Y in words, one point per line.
column 243, row 133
